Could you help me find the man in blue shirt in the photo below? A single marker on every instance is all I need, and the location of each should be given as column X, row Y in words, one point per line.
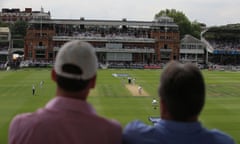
column 182, row 97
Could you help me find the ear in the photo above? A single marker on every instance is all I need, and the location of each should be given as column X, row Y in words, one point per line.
column 162, row 106
column 92, row 82
column 53, row 75
column 163, row 109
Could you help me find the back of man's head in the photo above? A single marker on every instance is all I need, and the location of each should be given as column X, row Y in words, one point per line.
column 76, row 63
column 182, row 89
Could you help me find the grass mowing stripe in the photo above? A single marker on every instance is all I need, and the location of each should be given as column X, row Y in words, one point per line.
column 111, row 99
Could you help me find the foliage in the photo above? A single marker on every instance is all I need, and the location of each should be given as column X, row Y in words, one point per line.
column 19, row 28
column 185, row 26
column 18, row 32
column 195, row 29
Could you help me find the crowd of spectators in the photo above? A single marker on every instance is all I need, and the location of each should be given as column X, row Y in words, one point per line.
column 116, row 32
column 225, row 44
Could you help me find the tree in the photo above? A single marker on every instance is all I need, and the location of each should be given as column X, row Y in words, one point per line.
column 185, row 26
column 195, row 29
column 19, row 28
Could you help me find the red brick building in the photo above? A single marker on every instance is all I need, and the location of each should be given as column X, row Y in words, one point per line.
column 8, row 15
column 115, row 41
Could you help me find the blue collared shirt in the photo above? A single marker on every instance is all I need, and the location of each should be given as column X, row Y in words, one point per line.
column 171, row 132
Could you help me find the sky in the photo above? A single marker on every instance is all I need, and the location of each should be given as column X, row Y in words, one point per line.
column 210, row 12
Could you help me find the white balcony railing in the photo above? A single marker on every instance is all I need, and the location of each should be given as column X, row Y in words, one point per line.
column 40, row 47
column 127, row 50
column 104, row 39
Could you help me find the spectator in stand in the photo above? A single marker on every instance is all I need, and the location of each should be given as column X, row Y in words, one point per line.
column 68, row 118
column 182, row 98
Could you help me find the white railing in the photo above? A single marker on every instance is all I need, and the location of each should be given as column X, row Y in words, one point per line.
column 134, row 50
column 114, row 39
column 40, row 47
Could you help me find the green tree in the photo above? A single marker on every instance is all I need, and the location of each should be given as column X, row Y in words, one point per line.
column 185, row 26
column 196, row 29
column 19, row 28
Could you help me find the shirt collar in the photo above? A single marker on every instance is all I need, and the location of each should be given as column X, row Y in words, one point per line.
column 70, row 104
column 183, row 127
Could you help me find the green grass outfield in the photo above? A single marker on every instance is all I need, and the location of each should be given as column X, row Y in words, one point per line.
column 111, row 99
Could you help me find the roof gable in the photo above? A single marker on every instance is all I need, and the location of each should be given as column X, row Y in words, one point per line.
column 190, row 39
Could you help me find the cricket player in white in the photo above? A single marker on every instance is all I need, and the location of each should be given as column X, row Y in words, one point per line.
column 154, row 103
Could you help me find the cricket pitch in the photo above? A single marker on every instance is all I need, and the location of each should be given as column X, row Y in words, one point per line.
column 134, row 90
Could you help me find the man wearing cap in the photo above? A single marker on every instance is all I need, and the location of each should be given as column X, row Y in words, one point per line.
column 68, row 118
